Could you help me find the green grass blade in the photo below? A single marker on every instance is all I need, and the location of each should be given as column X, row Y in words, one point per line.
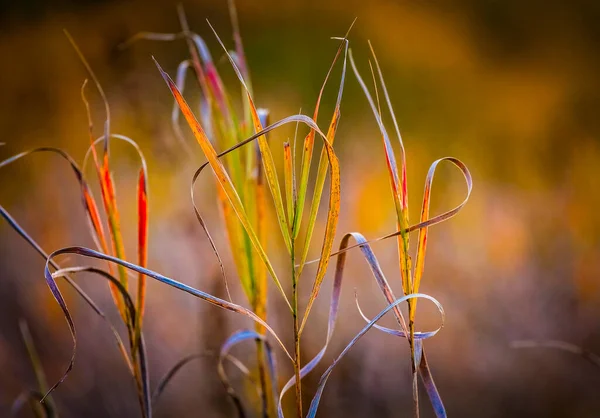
column 267, row 156
column 223, row 178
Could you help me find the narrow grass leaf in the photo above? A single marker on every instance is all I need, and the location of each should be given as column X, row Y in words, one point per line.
column 223, row 178
column 233, row 340
column 213, row 300
column 34, row 399
column 323, row 381
column 14, row 225
column 265, row 150
column 310, row 139
column 142, row 194
column 288, row 172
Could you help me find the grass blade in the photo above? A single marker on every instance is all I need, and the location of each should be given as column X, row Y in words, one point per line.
column 422, row 241
column 222, row 177
column 267, row 156
column 322, row 382
column 14, row 225
column 34, row 398
column 309, row 142
column 36, row 363
column 213, row 300
column 236, row 338
column 289, row 176
column 142, row 193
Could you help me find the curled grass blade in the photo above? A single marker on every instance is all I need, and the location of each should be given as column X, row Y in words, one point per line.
column 143, row 385
column 334, row 199
column 375, row 268
column 428, row 223
column 233, row 340
column 391, row 331
column 422, row 241
column 14, row 225
column 322, row 382
column 87, row 252
column 223, row 178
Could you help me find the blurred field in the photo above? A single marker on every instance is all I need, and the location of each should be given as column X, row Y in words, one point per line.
column 511, row 89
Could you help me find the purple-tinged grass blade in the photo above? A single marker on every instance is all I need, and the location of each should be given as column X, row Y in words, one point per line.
column 131, row 309
column 290, row 119
column 88, row 252
column 237, row 338
column 314, row 405
column 14, row 225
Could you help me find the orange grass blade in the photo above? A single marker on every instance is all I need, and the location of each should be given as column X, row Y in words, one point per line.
column 334, row 201
column 222, row 177
column 309, row 142
column 94, row 214
column 322, row 171
column 142, row 194
column 422, row 243
column 334, row 190
column 395, row 184
column 260, row 301
column 265, row 150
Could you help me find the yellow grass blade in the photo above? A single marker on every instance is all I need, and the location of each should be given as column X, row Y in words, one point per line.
column 322, row 171
column 309, row 142
column 290, row 198
column 267, row 157
column 222, row 177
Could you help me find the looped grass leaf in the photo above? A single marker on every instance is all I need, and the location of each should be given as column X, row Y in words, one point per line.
column 233, row 340
column 222, row 177
column 334, row 170
column 323, row 381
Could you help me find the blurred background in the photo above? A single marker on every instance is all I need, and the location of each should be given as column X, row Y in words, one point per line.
column 509, row 87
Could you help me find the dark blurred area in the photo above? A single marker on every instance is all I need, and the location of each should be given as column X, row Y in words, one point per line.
column 509, row 87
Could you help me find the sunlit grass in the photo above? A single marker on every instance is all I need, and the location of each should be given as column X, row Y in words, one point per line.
column 243, row 161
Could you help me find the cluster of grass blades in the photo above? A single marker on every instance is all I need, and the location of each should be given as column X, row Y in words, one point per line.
column 243, row 176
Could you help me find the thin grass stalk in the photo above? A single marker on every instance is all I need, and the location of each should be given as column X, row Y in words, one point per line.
column 297, row 365
column 112, row 213
column 260, row 298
